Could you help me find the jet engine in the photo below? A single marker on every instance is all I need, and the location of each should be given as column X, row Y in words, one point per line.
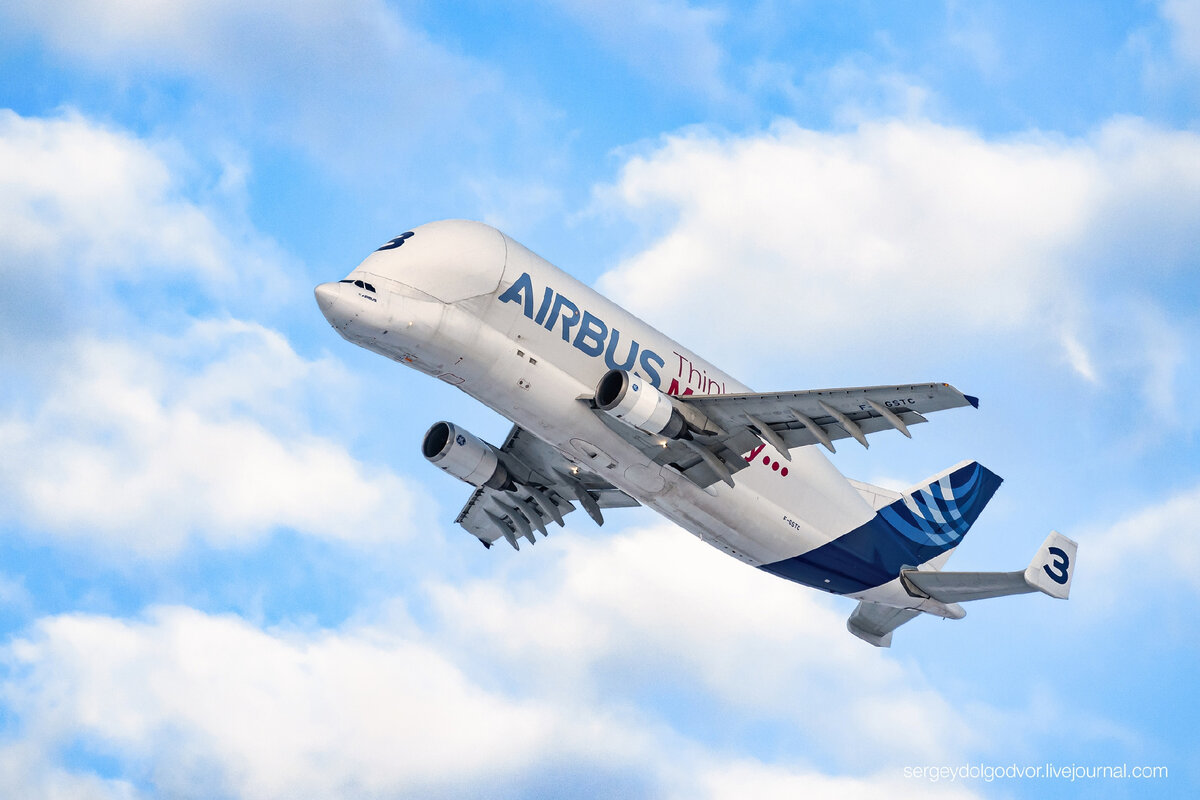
column 636, row 402
column 465, row 456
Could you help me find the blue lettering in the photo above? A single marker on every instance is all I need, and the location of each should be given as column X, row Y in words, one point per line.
column 593, row 336
column 611, row 352
column 652, row 373
column 541, row 315
column 590, row 338
column 560, row 303
column 521, row 291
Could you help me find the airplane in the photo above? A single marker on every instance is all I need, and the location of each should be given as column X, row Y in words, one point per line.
column 609, row 413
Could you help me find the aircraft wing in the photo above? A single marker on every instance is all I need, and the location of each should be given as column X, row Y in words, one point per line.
column 545, row 488
column 725, row 427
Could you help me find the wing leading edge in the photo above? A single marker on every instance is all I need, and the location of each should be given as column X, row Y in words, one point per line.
column 722, row 428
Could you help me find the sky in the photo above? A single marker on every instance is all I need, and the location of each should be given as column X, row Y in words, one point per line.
column 227, row 572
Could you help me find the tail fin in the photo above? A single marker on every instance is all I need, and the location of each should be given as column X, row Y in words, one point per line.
column 924, row 524
column 931, row 518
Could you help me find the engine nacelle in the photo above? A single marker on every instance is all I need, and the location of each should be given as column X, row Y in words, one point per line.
column 465, row 456
column 636, row 402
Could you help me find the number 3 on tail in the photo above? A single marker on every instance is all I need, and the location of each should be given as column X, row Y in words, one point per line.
column 1058, row 570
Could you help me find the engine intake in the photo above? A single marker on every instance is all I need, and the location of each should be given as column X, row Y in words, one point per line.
column 464, row 455
column 636, row 402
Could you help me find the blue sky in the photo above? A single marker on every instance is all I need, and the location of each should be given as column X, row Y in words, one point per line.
column 226, row 571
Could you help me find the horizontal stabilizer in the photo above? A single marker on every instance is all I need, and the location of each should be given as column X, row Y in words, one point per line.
column 956, row 587
column 874, row 622
column 1049, row 572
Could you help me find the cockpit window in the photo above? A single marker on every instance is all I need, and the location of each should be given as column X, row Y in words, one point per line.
column 369, row 287
column 360, row 284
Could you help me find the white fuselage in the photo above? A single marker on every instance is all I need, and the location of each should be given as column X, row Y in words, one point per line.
column 470, row 306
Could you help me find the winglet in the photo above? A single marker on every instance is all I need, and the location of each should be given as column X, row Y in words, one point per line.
column 974, row 401
column 1053, row 566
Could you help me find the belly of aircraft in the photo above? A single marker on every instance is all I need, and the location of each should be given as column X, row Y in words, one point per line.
column 764, row 519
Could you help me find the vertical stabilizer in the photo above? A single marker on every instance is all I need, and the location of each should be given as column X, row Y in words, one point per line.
column 924, row 524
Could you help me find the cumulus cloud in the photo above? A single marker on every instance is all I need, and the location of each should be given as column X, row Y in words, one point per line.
column 220, row 707
column 926, row 231
column 201, row 705
column 609, row 618
column 84, row 207
column 146, row 442
column 81, row 197
column 145, row 447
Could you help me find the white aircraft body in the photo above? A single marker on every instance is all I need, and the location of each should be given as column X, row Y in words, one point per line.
column 611, row 413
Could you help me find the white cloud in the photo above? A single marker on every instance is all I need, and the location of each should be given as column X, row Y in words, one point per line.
column 263, row 44
column 669, row 41
column 204, row 705
column 1184, row 15
column 926, row 232
column 1157, row 543
column 971, row 29
column 1078, row 357
column 354, row 81
column 218, row 706
column 78, row 199
column 92, row 217
column 144, row 447
column 27, row 771
column 611, row 617
column 855, row 88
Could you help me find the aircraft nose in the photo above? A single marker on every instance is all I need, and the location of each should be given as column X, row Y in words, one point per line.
column 327, row 296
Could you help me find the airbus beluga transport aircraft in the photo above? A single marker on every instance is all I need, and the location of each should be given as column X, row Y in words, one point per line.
column 610, row 413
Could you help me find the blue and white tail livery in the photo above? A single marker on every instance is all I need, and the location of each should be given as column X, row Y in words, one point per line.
column 609, row 413
column 939, row 513
column 919, row 526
